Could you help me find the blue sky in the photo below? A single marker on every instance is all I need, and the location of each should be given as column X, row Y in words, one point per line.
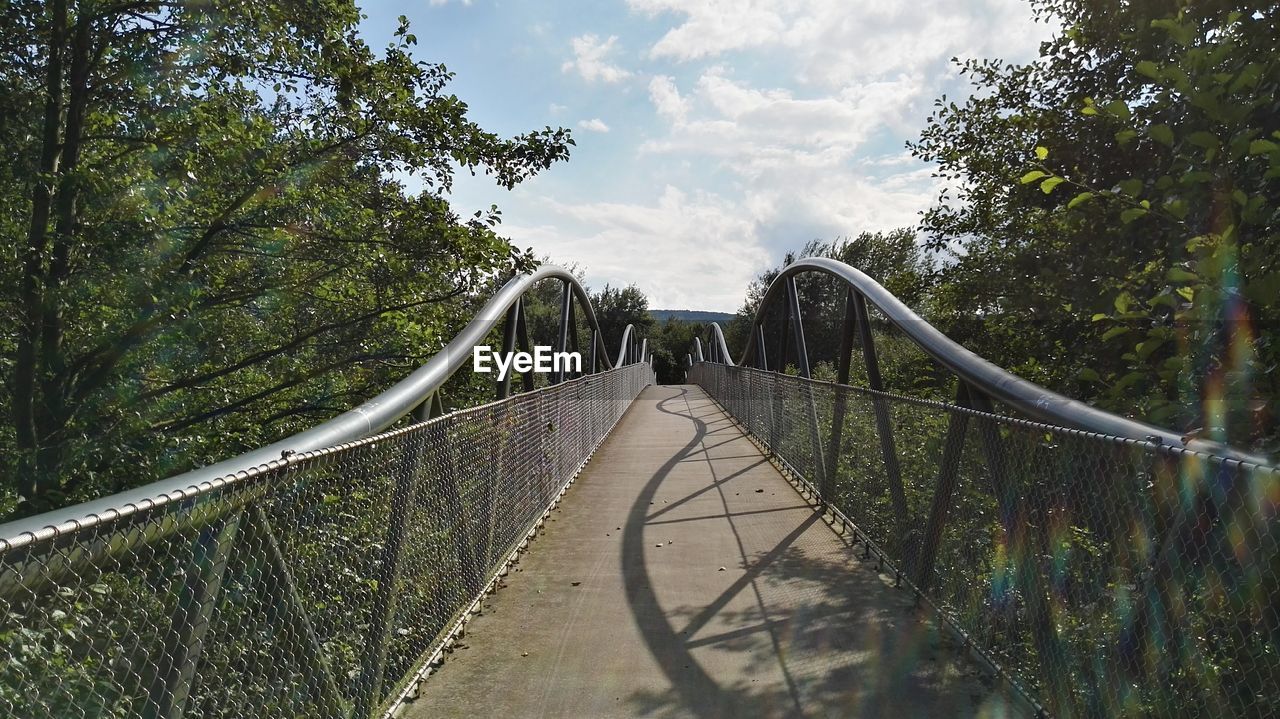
column 712, row 136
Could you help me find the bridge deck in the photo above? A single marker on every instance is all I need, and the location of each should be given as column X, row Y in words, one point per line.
column 684, row 577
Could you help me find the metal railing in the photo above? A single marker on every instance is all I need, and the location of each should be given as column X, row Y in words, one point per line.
column 1106, row 567
column 317, row 577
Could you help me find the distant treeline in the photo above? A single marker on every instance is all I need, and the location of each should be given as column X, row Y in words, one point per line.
column 690, row 316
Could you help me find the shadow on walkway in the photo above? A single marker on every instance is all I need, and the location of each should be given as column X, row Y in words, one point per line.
column 684, row 577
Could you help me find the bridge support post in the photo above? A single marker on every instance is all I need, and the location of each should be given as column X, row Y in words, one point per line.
column 838, row 409
column 189, row 625
column 256, row 533
column 921, row 562
column 784, row 337
column 509, row 344
column 1017, row 526
column 566, row 319
column 522, row 334
column 884, row 425
column 573, row 337
column 374, row 660
column 802, row 363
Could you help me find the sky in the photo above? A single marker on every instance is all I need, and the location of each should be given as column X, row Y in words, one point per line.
column 712, row 137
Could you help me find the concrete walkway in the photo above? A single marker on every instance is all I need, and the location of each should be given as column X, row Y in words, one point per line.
column 684, row 577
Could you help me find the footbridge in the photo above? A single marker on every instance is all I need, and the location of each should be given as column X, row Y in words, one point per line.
column 769, row 539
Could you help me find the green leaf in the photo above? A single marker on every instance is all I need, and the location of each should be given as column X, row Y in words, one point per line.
column 1113, row 333
column 1179, row 274
column 1131, row 186
column 1033, row 176
column 1148, row 69
column 1080, row 198
column 1047, row 186
column 1161, row 134
column 1088, row 374
column 1042, row 152
column 1204, row 139
column 1146, row 348
column 1181, row 34
column 1262, row 147
column 1118, row 108
column 1132, row 214
column 1124, row 137
column 1099, row 317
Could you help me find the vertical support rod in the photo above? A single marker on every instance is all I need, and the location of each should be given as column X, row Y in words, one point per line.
column 847, row 328
column 797, row 328
column 1016, row 524
column 522, row 334
column 922, row 565
column 374, row 661
column 566, row 317
column 509, row 345
column 802, row 364
column 172, row 682
column 256, row 533
column 573, row 340
column 784, row 337
column 595, row 341
column 762, row 354
column 884, row 425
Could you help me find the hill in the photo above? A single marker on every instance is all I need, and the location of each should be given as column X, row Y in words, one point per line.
column 691, row 316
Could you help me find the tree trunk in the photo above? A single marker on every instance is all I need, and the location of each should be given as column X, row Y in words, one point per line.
column 34, row 253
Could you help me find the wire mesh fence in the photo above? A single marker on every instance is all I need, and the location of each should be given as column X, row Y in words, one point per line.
column 316, row 586
column 1105, row 576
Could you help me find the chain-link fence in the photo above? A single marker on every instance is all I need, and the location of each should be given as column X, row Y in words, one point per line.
column 319, row 585
column 1106, row 577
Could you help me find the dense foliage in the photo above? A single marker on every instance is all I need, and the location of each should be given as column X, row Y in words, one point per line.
column 1118, row 195
column 204, row 246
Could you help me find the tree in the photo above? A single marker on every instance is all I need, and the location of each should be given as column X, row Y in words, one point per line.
column 671, row 346
column 618, row 307
column 206, row 248
column 894, row 259
column 1118, row 195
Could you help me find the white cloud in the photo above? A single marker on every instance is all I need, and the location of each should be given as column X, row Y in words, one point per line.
column 773, row 122
column 834, row 42
column 666, row 99
column 682, row 250
column 811, row 154
column 595, row 124
column 556, row 108
column 751, row 130
column 590, row 59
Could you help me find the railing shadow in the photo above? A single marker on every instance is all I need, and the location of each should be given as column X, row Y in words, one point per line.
column 844, row 643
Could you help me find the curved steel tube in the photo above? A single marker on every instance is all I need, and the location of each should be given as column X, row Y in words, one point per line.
column 369, row 418
column 1027, row 397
